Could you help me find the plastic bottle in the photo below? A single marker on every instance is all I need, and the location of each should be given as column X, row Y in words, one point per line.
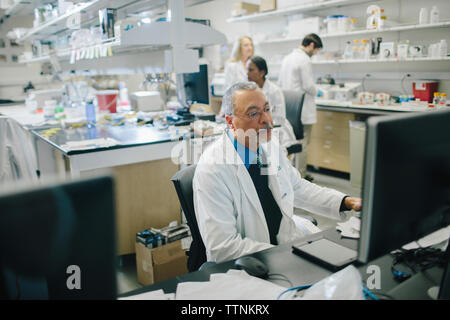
column 443, row 101
column 90, row 113
column 434, row 15
column 366, row 49
column 353, row 25
column 443, row 48
column 355, row 49
column 423, row 16
column 348, row 51
column 382, row 20
column 436, row 100
column 59, row 113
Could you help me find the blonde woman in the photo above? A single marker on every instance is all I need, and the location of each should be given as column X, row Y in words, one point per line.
column 236, row 68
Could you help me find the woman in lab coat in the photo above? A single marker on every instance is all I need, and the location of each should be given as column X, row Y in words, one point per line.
column 229, row 213
column 257, row 72
column 236, row 68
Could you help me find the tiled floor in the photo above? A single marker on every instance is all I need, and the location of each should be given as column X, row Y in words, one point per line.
column 127, row 275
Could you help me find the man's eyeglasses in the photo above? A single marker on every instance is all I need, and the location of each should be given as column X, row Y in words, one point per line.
column 255, row 114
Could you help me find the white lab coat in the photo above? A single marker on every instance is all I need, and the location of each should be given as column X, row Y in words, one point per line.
column 17, row 154
column 276, row 100
column 229, row 214
column 296, row 74
column 235, row 72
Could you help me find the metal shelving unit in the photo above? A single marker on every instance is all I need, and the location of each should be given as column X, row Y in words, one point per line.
column 150, row 46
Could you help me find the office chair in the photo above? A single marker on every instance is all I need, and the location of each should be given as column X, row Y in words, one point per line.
column 182, row 181
column 294, row 105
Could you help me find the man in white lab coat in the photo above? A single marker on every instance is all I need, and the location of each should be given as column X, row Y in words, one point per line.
column 296, row 74
column 245, row 188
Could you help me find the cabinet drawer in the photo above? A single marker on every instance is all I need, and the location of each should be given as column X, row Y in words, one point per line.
column 340, row 147
column 330, row 131
column 337, row 119
column 329, row 154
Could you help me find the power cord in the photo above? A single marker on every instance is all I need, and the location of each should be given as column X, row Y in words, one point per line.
column 367, row 293
column 417, row 260
column 283, row 277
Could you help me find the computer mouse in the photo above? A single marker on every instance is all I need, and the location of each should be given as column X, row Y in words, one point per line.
column 252, row 266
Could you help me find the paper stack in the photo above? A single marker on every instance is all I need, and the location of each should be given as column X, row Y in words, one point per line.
column 350, row 228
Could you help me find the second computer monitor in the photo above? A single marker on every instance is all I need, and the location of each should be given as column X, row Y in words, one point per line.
column 406, row 182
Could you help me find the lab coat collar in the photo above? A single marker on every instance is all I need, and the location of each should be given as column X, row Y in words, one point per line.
column 269, row 156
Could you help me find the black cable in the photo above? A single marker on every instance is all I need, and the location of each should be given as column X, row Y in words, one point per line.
column 283, row 277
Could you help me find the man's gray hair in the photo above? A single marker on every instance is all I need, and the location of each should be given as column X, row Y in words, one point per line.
column 228, row 97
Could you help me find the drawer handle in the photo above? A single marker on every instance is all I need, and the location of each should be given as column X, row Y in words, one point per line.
column 326, row 161
column 326, row 146
column 329, row 128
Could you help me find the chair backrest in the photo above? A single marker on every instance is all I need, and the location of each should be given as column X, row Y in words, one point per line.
column 294, row 105
column 182, row 181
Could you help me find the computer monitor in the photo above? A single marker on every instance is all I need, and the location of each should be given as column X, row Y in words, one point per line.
column 58, row 241
column 406, row 181
column 194, row 87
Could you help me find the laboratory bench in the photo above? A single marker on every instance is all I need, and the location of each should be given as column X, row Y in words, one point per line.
column 139, row 157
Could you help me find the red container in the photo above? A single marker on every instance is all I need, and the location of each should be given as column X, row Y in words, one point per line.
column 424, row 90
column 107, row 100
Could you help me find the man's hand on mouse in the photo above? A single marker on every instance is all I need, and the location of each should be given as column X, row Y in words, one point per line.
column 353, row 203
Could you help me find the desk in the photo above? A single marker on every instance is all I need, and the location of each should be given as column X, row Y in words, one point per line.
column 298, row 270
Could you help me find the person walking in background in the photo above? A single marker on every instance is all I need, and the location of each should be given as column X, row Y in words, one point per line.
column 296, row 74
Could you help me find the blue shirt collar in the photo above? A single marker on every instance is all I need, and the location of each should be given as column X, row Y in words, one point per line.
column 248, row 157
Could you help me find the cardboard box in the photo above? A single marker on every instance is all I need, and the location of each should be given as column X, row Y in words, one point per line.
column 268, row 5
column 243, row 9
column 161, row 263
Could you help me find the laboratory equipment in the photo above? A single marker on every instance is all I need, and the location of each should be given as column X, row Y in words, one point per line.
column 416, row 51
column 402, row 50
column 387, row 50
column 423, row 16
column 107, row 100
column 434, row 15
column 345, row 91
column 443, row 48
column 424, row 90
column 375, row 45
column 147, row 101
column 373, row 21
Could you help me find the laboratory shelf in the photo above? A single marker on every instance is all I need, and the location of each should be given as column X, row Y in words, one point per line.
column 313, row 6
column 416, row 59
column 19, row 8
column 443, row 24
column 60, row 23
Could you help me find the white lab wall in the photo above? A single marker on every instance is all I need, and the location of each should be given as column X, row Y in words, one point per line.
column 377, row 76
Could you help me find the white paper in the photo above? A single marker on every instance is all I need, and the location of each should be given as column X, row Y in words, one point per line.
column 90, row 144
column 350, row 228
column 233, row 285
